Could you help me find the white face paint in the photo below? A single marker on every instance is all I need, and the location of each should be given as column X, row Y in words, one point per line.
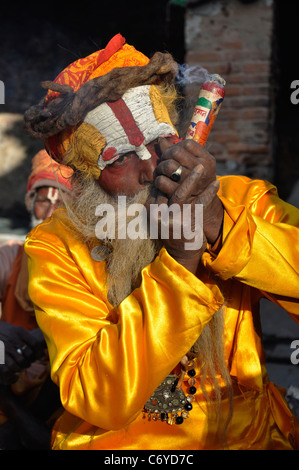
column 128, row 125
column 53, row 195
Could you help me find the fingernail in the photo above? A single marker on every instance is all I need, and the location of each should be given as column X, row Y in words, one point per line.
column 198, row 168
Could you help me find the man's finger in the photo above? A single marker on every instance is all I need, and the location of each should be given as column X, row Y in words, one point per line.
column 189, row 188
column 208, row 195
column 164, row 143
column 183, row 153
column 167, row 167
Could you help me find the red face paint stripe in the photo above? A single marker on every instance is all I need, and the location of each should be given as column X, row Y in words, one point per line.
column 108, row 154
column 124, row 115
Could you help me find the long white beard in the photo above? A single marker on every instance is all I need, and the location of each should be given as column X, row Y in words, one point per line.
column 127, row 257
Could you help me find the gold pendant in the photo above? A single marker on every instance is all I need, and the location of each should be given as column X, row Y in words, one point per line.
column 167, row 403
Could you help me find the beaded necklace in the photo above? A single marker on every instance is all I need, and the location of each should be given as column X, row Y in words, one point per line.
column 168, row 403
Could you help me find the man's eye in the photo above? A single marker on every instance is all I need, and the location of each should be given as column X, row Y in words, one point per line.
column 121, row 160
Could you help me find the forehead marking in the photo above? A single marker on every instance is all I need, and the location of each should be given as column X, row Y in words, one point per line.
column 52, row 195
column 125, row 117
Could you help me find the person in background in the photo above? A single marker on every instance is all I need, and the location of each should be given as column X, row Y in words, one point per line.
column 27, row 396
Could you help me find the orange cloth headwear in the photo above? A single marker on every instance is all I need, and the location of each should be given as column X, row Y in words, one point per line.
column 47, row 172
column 116, row 54
column 102, row 77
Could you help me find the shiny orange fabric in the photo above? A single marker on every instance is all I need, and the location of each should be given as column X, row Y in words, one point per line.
column 107, row 363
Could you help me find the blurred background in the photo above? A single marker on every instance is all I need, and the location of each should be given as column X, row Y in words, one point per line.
column 251, row 43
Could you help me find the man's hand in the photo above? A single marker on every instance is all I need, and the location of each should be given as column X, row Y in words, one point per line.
column 190, row 155
column 197, row 185
column 21, row 349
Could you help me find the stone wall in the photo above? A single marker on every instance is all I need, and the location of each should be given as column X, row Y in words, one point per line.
column 235, row 40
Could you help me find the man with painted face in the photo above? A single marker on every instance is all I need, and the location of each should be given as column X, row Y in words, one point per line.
column 155, row 345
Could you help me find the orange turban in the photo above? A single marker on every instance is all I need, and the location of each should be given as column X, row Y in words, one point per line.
column 116, row 54
column 47, row 172
column 104, row 76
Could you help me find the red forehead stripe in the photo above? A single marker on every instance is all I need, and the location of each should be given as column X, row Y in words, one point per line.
column 124, row 115
column 109, row 153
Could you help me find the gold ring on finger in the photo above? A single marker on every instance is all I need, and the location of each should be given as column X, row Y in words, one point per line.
column 176, row 175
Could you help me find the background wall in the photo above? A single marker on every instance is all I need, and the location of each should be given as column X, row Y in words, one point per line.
column 235, row 40
column 250, row 44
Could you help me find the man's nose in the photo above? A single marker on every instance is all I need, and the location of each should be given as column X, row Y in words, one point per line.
column 147, row 168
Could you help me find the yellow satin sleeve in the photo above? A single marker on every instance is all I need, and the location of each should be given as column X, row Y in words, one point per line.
column 260, row 241
column 107, row 363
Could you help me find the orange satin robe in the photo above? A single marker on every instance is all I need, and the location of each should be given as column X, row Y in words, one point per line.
column 107, row 363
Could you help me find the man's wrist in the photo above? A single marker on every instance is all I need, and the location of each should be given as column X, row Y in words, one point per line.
column 213, row 227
